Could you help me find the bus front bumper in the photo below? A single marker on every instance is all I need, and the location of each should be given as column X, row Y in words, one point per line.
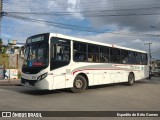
column 42, row 85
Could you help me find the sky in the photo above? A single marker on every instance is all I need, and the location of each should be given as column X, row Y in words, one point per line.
column 128, row 23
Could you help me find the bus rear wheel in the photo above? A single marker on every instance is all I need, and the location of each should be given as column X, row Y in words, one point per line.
column 79, row 85
column 131, row 79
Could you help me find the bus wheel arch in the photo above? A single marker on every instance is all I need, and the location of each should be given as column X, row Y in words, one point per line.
column 80, row 83
column 131, row 78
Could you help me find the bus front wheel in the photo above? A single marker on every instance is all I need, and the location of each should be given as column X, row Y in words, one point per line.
column 131, row 79
column 79, row 85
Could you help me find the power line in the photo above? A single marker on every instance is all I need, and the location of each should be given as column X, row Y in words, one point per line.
column 98, row 15
column 79, row 28
column 90, row 4
column 55, row 24
column 89, row 11
column 140, row 11
column 101, row 13
column 116, row 1
column 26, row 8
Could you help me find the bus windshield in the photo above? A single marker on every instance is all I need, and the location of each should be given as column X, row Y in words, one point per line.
column 36, row 55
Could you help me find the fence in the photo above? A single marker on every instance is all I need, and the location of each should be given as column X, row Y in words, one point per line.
column 12, row 65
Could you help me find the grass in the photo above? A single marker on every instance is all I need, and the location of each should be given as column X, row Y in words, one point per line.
column 19, row 75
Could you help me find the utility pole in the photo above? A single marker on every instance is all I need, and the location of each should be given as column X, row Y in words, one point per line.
column 150, row 57
column 1, row 12
column 150, row 61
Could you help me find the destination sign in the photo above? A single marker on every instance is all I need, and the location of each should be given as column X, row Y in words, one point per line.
column 35, row 39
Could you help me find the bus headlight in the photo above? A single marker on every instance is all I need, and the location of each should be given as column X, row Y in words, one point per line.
column 41, row 77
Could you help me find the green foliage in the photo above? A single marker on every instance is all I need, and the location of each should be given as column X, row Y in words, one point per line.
column 19, row 75
column 4, row 60
column 3, row 50
column 4, row 56
column 1, row 42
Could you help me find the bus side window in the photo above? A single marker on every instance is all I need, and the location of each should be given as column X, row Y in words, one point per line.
column 144, row 59
column 138, row 58
column 93, row 53
column 66, row 53
column 80, row 57
column 104, row 54
column 131, row 58
column 124, row 56
column 115, row 55
column 90, row 58
column 79, row 54
column 52, row 52
column 58, row 52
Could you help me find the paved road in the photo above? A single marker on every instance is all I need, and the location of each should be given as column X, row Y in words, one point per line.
column 142, row 96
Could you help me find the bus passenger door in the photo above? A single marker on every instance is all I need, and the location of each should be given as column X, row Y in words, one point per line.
column 59, row 80
column 60, row 58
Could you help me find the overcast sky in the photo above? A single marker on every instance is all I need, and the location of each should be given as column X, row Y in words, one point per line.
column 129, row 23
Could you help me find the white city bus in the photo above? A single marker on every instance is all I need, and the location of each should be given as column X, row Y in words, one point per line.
column 56, row 61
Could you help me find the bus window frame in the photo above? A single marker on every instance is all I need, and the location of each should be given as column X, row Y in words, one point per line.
column 55, row 63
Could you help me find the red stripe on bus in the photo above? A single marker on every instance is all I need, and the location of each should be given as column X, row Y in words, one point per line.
column 101, row 69
column 125, row 65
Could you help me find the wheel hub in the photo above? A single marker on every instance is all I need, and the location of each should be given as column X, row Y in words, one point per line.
column 78, row 84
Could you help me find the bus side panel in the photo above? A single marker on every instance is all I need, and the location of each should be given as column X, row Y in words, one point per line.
column 59, row 76
column 106, row 79
column 45, row 84
column 80, row 68
column 146, row 71
column 50, row 81
column 69, row 80
column 98, row 77
column 137, row 75
column 142, row 73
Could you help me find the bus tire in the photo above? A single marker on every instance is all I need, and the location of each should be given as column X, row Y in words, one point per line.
column 131, row 79
column 79, row 85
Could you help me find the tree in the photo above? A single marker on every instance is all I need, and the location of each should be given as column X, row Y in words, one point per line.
column 1, row 42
